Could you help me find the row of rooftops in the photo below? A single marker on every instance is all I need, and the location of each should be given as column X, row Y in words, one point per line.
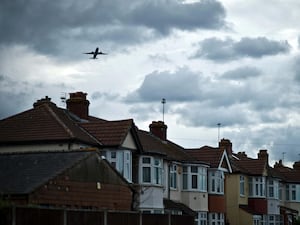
column 47, row 123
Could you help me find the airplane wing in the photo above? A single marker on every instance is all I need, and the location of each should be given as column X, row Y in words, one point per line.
column 91, row 53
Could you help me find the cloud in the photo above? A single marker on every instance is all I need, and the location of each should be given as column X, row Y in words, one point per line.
column 181, row 85
column 241, row 73
column 225, row 50
column 51, row 27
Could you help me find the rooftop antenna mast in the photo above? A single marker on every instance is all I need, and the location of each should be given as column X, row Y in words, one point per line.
column 63, row 98
column 283, row 153
column 163, row 101
column 219, row 126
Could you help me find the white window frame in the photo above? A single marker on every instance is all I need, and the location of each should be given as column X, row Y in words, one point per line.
column 216, row 219
column 273, row 188
column 293, row 192
column 154, row 166
column 196, row 172
column 257, row 187
column 122, row 161
column 201, row 218
column 173, row 176
column 216, row 181
column 242, row 185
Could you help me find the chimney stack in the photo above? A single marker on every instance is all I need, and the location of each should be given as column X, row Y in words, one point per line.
column 41, row 101
column 159, row 129
column 263, row 155
column 78, row 104
column 227, row 145
column 296, row 165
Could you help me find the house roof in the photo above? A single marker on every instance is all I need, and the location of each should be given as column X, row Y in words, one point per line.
column 109, row 133
column 288, row 174
column 43, row 123
column 208, row 154
column 153, row 145
column 21, row 173
column 244, row 164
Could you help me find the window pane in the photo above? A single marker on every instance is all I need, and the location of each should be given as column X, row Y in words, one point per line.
column 146, row 160
column 146, row 174
column 194, row 181
column 194, row 169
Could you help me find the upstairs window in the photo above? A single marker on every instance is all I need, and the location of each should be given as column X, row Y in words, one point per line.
column 273, row 189
column 151, row 172
column 242, row 186
column 257, row 187
column 216, row 182
column 194, row 178
column 121, row 160
column 293, row 192
column 173, row 176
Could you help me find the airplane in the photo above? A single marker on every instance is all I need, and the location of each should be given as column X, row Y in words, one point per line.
column 95, row 53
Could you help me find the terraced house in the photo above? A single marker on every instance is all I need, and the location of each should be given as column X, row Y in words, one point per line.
column 154, row 174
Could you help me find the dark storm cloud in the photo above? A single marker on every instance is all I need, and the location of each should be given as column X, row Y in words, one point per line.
column 241, row 73
column 165, row 15
column 45, row 25
column 225, row 50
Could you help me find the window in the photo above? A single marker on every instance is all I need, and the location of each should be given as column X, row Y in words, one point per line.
column 273, row 189
column 293, row 192
column 216, row 219
column 274, row 219
column 257, row 187
column 151, row 170
column 242, row 185
column 173, row 176
column 194, row 178
column 121, row 160
column 216, row 182
column 201, row 218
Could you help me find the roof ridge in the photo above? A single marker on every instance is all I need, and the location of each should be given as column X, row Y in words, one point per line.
column 60, row 122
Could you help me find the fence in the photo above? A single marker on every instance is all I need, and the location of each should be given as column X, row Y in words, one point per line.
column 46, row 216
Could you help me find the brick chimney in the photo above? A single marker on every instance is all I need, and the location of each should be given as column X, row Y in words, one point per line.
column 42, row 101
column 159, row 129
column 263, row 155
column 78, row 104
column 296, row 165
column 227, row 145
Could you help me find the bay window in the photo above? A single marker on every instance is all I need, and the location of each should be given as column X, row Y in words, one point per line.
column 293, row 192
column 151, row 170
column 257, row 187
column 173, row 176
column 273, row 188
column 216, row 181
column 194, row 178
column 242, row 186
column 121, row 160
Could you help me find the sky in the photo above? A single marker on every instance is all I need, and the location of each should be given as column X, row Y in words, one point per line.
column 232, row 62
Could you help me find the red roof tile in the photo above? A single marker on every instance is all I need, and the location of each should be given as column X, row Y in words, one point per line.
column 207, row 154
column 45, row 122
column 153, row 145
column 109, row 133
